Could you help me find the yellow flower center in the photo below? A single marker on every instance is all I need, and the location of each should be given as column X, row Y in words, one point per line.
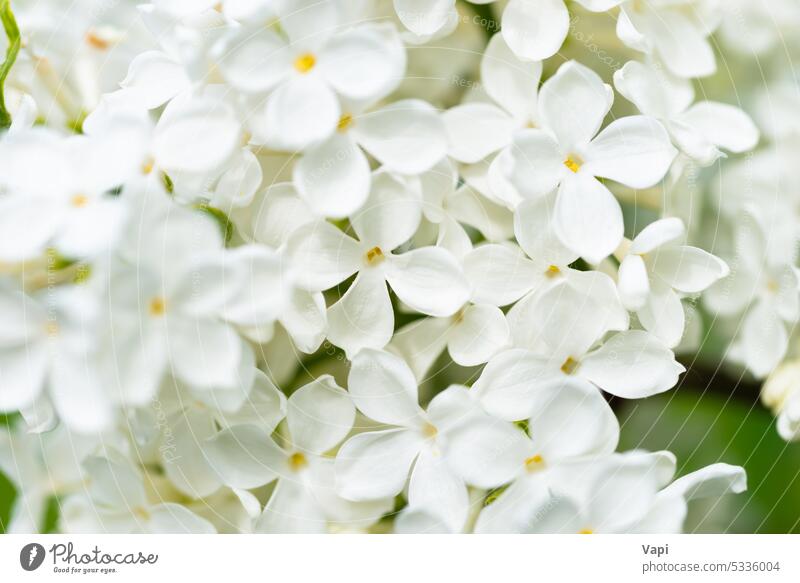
column 552, row 272
column 79, row 200
column 345, row 122
column 148, row 166
column 429, row 430
column 157, row 307
column 304, row 63
column 95, row 41
column 586, row 531
column 375, row 256
column 297, row 461
column 534, row 463
column 51, row 329
column 573, row 162
column 569, row 365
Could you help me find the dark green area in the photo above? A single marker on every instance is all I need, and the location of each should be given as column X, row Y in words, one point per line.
column 702, row 428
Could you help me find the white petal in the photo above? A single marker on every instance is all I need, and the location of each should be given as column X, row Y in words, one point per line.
column 495, row 222
column 723, row 125
column 320, row 414
column 407, row 136
column 375, row 464
column 658, row 233
column 323, row 256
column 688, row 269
column 306, row 320
column 254, row 61
column 476, row 130
column 301, row 112
column 632, row 365
column 114, row 483
column 536, row 163
column 652, row 91
column 292, row 509
column 176, row 146
column 391, row 215
column 363, row 317
column 533, row 228
column 204, row 353
column 22, row 375
column 573, row 103
column 245, row 456
column 572, row 419
column 535, row 30
column 79, row 395
column 360, row 64
column 764, row 339
column 512, row 83
column 265, row 406
column 681, row 44
column 429, row 280
column 635, row 151
column 481, row 333
column 182, row 453
column 170, row 518
column 279, row 213
column 435, row 487
column 588, row 219
column 500, row 275
column 711, row 481
column 663, row 315
column 507, row 385
column 487, row 452
column 26, row 226
column 632, row 282
column 154, row 78
column 424, row 17
column 384, row 388
column 333, row 177
column 421, row 343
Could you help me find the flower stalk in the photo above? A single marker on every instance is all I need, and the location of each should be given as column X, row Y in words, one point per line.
column 12, row 33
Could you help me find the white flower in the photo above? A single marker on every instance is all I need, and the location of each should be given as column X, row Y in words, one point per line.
column 699, row 130
column 376, row 464
column 764, row 282
column 676, row 31
column 568, row 421
column 536, row 30
column 58, row 193
column 319, row 416
column 630, row 364
column 168, row 306
column 780, row 393
column 406, row 137
column 477, row 129
column 306, row 72
column 565, row 154
column 428, row 279
column 40, row 466
column 669, row 508
column 116, row 501
column 50, row 346
column 654, row 266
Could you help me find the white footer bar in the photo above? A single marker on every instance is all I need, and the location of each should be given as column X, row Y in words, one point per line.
column 401, row 559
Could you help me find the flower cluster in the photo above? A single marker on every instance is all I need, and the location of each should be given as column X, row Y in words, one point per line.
column 256, row 277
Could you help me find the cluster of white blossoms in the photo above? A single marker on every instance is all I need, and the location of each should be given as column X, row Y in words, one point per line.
column 241, row 245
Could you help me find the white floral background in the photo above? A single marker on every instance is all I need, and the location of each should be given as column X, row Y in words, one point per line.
column 413, row 266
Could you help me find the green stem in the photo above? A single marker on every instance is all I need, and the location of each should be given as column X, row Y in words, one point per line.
column 12, row 32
